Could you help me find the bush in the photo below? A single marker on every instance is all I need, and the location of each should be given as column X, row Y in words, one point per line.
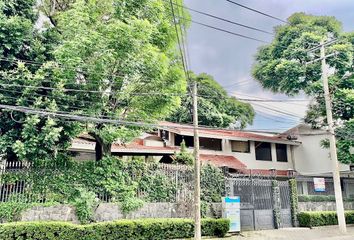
column 123, row 229
column 321, row 198
column 314, row 219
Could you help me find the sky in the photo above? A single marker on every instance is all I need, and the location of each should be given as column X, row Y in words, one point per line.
column 230, row 58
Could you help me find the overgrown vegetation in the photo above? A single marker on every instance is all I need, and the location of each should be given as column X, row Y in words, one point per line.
column 321, row 198
column 294, row 198
column 184, row 157
column 212, row 184
column 315, row 219
column 83, row 184
column 158, row 229
column 11, row 210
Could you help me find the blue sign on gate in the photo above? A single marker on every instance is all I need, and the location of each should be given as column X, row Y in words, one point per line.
column 231, row 211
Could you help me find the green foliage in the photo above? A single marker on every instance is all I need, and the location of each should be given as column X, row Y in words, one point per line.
column 130, row 204
column 215, row 107
column 281, row 67
column 321, row 198
column 124, row 229
column 79, row 183
column 11, row 210
column 212, row 183
column 294, row 198
column 276, row 203
column 123, row 48
column 184, row 157
column 315, row 219
column 84, row 202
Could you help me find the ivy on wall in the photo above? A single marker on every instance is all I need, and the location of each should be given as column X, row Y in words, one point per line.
column 293, row 201
column 81, row 184
column 276, row 203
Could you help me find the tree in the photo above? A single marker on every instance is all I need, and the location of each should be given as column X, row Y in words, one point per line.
column 25, row 137
column 215, row 107
column 123, row 53
column 108, row 59
column 281, row 67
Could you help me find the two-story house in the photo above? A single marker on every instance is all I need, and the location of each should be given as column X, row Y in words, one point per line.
column 297, row 150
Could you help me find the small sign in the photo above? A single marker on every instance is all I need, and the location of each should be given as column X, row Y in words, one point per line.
column 319, row 184
column 231, row 211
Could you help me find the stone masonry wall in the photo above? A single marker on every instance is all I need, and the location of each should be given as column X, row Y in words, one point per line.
column 64, row 213
column 323, row 206
column 112, row 211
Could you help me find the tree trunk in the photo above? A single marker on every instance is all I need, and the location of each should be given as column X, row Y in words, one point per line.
column 102, row 149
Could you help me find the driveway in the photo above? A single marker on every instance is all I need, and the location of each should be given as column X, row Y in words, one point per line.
column 320, row 233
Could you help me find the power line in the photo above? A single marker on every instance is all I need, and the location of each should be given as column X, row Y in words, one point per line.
column 226, row 31
column 179, row 41
column 272, row 100
column 90, row 91
column 257, row 11
column 224, row 19
column 278, row 111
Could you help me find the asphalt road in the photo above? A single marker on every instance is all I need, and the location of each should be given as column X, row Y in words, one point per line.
column 320, row 233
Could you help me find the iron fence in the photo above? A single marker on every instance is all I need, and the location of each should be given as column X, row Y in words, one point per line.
column 20, row 189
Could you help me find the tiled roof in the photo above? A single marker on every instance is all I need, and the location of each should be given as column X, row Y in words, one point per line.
column 135, row 146
column 222, row 160
column 224, row 133
column 265, row 172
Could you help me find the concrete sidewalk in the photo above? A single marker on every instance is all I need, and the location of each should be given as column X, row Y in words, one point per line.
column 319, row 233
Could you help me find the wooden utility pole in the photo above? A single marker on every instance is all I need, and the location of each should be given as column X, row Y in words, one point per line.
column 197, row 217
column 332, row 141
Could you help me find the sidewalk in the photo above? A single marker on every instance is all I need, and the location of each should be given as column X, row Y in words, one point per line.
column 320, row 233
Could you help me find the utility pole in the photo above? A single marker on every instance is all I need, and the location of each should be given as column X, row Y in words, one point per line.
column 197, row 217
column 332, row 141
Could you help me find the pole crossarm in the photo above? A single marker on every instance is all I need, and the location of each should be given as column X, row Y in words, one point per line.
column 321, row 58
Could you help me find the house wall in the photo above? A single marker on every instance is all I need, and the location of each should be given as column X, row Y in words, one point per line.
column 311, row 158
column 249, row 159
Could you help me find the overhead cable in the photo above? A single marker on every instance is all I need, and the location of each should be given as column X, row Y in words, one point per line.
column 257, row 11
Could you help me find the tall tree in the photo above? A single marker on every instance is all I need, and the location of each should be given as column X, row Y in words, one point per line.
column 25, row 137
column 215, row 107
column 281, row 67
column 123, row 53
column 108, row 59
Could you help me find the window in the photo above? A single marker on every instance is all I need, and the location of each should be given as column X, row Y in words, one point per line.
column 240, row 146
column 189, row 140
column 164, row 135
column 282, row 154
column 210, row 144
column 263, row 151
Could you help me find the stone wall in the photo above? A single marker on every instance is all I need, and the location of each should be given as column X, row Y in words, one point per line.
column 54, row 213
column 112, row 211
column 323, row 206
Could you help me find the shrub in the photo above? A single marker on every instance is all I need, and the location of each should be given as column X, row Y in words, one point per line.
column 123, row 229
column 321, row 198
column 314, row 219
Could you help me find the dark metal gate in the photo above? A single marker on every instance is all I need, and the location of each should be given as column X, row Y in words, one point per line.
column 257, row 207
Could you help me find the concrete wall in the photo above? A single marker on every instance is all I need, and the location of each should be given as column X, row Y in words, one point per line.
column 112, row 211
column 323, row 206
column 310, row 157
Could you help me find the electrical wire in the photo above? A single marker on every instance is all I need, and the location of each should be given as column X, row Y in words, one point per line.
column 226, row 31
column 257, row 11
column 224, row 19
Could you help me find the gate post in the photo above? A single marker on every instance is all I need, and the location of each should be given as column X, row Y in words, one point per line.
column 276, row 203
column 293, row 201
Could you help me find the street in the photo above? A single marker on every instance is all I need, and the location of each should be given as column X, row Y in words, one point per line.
column 320, row 233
